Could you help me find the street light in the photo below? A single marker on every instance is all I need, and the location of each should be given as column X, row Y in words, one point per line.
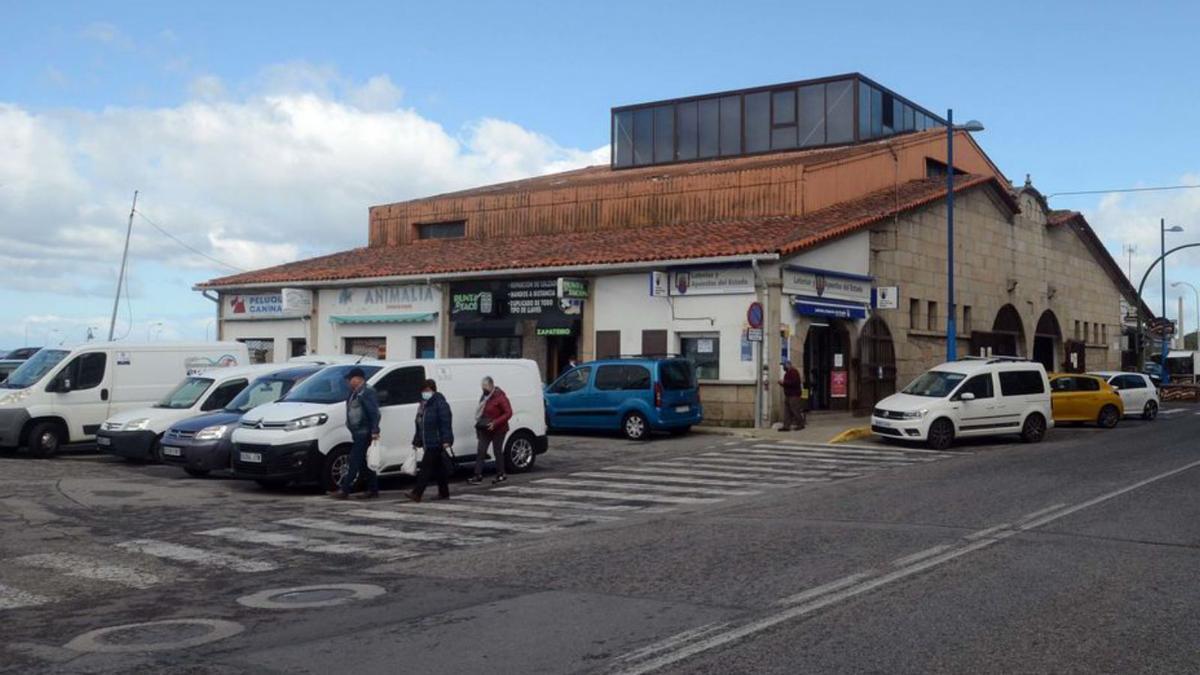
column 1162, row 232
column 1197, row 292
column 951, row 316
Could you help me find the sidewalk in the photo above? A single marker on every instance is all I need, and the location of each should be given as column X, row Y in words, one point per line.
column 823, row 427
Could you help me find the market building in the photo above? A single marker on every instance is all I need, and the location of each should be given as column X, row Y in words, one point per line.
column 823, row 200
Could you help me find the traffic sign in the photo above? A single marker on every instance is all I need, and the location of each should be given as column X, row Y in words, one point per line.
column 754, row 334
column 754, row 316
column 1162, row 327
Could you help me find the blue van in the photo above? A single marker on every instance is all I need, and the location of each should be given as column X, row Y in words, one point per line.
column 633, row 395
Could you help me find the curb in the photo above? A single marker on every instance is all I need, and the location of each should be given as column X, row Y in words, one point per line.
column 852, row 434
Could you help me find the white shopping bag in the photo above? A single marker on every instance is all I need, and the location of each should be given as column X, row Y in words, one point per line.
column 409, row 466
column 375, row 455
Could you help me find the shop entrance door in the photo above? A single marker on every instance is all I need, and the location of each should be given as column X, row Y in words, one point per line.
column 560, row 349
column 826, row 352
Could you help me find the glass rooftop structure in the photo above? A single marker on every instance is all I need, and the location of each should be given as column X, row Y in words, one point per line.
column 838, row 110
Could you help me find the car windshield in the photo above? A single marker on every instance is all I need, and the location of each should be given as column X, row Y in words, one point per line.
column 327, row 386
column 35, row 368
column 261, row 392
column 186, row 394
column 935, row 384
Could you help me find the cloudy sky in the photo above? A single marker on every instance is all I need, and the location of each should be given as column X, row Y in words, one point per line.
column 260, row 134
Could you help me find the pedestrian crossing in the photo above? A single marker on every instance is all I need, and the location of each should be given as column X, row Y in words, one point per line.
column 389, row 530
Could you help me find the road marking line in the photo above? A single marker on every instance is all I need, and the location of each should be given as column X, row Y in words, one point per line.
column 838, row 584
column 849, row 453
column 735, row 633
column 765, row 460
column 712, row 474
column 508, row 511
column 83, row 567
column 814, row 454
column 860, row 446
column 560, row 503
column 452, row 521
column 191, row 554
column 14, row 598
column 661, row 646
column 570, row 482
column 760, row 463
column 383, row 532
column 604, row 494
column 921, row 555
column 737, row 468
column 651, row 477
column 298, row 543
column 1172, row 411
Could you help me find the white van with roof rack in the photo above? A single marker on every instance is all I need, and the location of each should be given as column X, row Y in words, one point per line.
column 970, row 397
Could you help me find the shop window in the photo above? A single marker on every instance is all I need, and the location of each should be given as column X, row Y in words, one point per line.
column 223, row 394
column 402, row 386
column 704, row 352
column 455, row 229
column 262, row 350
column 424, row 347
column 608, row 344
column 493, row 347
column 297, row 347
column 914, row 313
column 931, row 319
column 373, row 347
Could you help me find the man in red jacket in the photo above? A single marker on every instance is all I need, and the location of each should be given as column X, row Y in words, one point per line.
column 491, row 428
column 793, row 397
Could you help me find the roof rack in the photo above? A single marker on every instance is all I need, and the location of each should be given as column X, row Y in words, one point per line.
column 995, row 359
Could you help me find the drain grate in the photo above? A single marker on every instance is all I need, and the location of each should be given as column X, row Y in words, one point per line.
column 305, row 597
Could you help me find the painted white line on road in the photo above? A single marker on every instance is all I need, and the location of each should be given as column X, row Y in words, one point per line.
column 14, row 598
column 817, row 591
column 921, row 555
column 1172, row 411
column 606, row 494
column 508, row 511
column 452, row 521
column 655, row 478
column 887, row 456
column 383, row 532
column 664, row 645
column 307, row 544
column 722, row 474
column 191, row 554
column 738, row 468
column 623, row 485
column 831, row 456
column 82, row 567
column 760, row 458
column 748, row 462
column 879, row 447
column 736, row 633
column 558, row 503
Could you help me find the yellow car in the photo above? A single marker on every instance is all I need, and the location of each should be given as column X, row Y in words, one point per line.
column 1084, row 398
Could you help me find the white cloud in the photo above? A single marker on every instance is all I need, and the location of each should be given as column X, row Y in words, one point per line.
column 106, row 33
column 207, row 88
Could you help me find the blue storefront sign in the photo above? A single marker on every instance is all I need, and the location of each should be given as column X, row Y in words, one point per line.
column 828, row 308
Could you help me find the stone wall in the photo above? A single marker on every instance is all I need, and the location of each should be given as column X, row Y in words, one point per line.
column 728, row 405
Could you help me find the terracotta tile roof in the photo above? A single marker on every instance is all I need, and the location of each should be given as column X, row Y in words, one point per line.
column 771, row 235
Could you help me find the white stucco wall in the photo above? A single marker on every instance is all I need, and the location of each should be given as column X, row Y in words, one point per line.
column 399, row 336
column 279, row 330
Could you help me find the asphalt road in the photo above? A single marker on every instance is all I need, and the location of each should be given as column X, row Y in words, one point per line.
column 697, row 554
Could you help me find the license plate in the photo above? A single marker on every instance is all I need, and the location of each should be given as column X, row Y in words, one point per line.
column 251, row 457
column 881, row 423
column 170, row 451
column 103, row 440
column 682, row 408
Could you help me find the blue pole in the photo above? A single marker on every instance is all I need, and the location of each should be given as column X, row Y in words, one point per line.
column 951, row 312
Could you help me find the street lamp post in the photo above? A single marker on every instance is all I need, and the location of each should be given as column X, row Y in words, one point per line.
column 1162, row 239
column 1197, row 294
column 951, row 310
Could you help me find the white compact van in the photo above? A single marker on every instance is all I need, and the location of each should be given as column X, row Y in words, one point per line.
column 63, row 395
column 303, row 436
column 970, row 397
column 135, row 433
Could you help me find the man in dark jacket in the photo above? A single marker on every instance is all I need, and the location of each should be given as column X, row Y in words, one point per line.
column 793, row 397
column 362, row 419
column 435, row 435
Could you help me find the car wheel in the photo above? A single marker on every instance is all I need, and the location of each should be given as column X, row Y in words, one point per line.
column 1150, row 412
column 337, row 464
column 155, row 454
column 1108, row 417
column 941, row 434
column 519, row 456
column 45, row 439
column 1034, row 429
column 635, row 427
column 272, row 483
column 194, row 472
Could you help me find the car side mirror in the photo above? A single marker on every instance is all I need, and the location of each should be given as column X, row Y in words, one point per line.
column 1115, row 387
column 61, row 385
column 966, row 396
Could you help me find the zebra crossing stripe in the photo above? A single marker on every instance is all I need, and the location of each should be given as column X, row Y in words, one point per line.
column 14, row 598
column 507, row 510
column 821, row 457
column 82, row 567
column 190, row 554
column 607, row 494
column 382, row 532
column 793, row 460
column 721, row 474
column 570, row 482
column 298, row 543
column 558, row 503
column 651, row 477
column 908, row 447
column 813, row 452
column 734, row 467
column 452, row 521
column 770, row 463
column 847, row 452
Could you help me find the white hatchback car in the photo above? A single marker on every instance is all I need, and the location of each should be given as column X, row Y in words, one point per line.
column 970, row 397
column 1137, row 391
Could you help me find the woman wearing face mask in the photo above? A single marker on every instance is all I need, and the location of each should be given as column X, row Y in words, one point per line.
column 491, row 427
column 435, row 434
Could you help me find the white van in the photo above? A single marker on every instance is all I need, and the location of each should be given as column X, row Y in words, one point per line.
column 135, row 434
column 62, row 396
column 971, row 397
column 303, row 436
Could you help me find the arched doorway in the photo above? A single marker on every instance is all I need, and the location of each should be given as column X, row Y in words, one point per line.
column 827, row 365
column 1008, row 333
column 877, row 363
column 1047, row 340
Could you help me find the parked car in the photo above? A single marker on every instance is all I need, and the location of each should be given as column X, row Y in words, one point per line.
column 137, row 433
column 970, row 397
column 1138, row 394
column 7, row 366
column 632, row 395
column 62, row 396
column 203, row 443
column 1085, row 398
column 303, row 436
column 22, row 354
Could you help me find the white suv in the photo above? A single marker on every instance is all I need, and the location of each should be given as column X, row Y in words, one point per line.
column 971, row 397
column 1137, row 391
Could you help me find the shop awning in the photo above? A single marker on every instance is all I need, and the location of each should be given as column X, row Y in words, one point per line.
column 557, row 324
column 837, row 309
column 486, row 328
column 411, row 317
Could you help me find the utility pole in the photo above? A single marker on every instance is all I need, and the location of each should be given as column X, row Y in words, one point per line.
column 112, row 324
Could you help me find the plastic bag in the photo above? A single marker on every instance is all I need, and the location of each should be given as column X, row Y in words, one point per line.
column 375, row 455
column 410, row 463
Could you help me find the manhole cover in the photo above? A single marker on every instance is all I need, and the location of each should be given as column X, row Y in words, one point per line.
column 304, row 597
column 154, row 636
